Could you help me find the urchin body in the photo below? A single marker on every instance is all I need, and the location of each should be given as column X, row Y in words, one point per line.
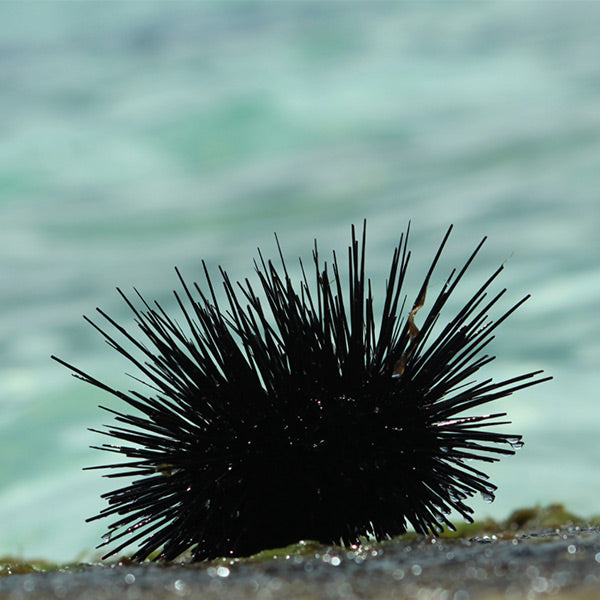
column 298, row 415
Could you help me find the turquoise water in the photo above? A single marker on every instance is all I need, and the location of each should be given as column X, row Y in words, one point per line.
column 139, row 136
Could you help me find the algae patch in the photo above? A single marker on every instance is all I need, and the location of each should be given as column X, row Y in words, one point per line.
column 9, row 565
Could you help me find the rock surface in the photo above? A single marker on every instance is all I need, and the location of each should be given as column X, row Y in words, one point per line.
column 561, row 563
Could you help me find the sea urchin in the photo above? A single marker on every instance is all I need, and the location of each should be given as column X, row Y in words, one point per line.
column 299, row 415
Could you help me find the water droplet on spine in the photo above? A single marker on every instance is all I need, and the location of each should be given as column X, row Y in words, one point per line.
column 487, row 497
column 516, row 442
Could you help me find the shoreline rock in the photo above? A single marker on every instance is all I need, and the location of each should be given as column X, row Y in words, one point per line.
column 560, row 562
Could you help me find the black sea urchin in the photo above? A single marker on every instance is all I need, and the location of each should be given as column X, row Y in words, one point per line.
column 302, row 417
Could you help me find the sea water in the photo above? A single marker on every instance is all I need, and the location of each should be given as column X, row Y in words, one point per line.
column 140, row 136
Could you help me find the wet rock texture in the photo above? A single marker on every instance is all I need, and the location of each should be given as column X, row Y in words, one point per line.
column 558, row 563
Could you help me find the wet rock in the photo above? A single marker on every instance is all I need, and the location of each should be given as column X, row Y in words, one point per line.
column 535, row 564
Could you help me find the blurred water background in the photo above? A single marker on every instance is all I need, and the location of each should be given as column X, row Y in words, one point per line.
column 136, row 136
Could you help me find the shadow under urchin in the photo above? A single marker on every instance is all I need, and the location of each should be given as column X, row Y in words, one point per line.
column 296, row 414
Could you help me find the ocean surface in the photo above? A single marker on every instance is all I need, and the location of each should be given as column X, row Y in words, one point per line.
column 139, row 136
